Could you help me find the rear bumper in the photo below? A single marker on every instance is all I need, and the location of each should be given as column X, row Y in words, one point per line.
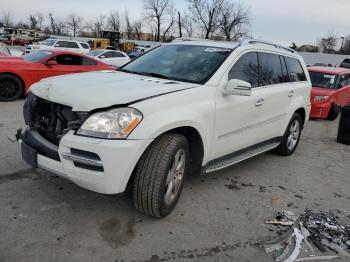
column 102, row 166
column 320, row 110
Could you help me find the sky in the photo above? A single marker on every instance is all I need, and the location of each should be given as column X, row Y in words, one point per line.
column 281, row 21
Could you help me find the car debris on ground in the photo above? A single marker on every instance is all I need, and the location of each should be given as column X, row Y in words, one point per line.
column 307, row 236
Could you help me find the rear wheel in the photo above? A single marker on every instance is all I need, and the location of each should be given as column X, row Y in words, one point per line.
column 291, row 137
column 11, row 88
column 333, row 112
column 159, row 175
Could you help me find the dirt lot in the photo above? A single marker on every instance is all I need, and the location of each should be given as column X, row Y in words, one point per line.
column 218, row 218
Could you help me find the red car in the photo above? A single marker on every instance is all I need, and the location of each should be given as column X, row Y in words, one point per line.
column 330, row 91
column 17, row 74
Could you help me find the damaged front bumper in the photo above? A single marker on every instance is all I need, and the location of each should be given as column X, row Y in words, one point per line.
column 99, row 165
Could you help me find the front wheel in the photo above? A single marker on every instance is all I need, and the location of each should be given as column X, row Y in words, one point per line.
column 291, row 137
column 159, row 175
column 333, row 113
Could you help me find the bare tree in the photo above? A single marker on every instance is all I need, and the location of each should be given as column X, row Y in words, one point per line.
column 188, row 24
column 233, row 20
column 346, row 46
column 168, row 30
column 207, row 13
column 33, row 23
column 40, row 20
column 128, row 24
column 61, row 27
column 179, row 23
column 6, row 19
column 52, row 23
column 328, row 44
column 75, row 24
column 154, row 11
column 113, row 21
column 138, row 29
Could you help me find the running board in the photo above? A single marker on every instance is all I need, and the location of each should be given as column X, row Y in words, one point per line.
column 240, row 156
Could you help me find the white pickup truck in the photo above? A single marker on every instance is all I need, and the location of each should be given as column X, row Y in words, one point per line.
column 187, row 107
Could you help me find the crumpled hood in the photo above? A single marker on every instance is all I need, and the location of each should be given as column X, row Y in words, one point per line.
column 88, row 91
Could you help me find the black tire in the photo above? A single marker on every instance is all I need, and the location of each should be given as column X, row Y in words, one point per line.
column 285, row 149
column 11, row 88
column 151, row 175
column 333, row 113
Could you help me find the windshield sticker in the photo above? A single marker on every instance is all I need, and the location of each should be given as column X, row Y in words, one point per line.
column 329, row 76
column 217, row 50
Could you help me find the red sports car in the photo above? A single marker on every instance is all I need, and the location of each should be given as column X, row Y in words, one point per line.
column 17, row 74
column 330, row 90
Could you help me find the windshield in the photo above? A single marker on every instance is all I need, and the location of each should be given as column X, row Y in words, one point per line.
column 4, row 49
column 49, row 42
column 187, row 63
column 323, row 80
column 94, row 53
column 37, row 56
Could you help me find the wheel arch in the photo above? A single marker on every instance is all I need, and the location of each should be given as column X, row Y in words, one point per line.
column 19, row 77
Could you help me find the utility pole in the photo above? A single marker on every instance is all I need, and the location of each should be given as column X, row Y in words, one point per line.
column 342, row 43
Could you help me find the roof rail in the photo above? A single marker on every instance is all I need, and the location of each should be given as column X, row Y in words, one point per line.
column 187, row 39
column 254, row 41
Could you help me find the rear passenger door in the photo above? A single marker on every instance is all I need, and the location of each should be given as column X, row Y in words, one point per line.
column 274, row 79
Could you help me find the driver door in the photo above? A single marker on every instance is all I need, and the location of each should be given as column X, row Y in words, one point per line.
column 237, row 116
column 66, row 64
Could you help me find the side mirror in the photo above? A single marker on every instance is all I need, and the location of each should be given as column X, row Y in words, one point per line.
column 51, row 63
column 102, row 57
column 237, row 87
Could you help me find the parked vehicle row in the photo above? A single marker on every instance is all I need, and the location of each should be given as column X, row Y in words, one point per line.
column 187, row 107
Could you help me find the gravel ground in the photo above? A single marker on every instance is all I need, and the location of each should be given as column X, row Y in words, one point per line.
column 218, row 218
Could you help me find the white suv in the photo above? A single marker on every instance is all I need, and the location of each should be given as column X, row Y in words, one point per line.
column 187, row 107
column 57, row 44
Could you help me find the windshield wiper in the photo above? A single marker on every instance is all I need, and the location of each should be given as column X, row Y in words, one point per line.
column 154, row 75
column 144, row 73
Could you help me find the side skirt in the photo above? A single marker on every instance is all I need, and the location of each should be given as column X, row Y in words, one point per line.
column 241, row 155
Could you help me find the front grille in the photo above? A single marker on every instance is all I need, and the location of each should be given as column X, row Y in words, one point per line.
column 50, row 119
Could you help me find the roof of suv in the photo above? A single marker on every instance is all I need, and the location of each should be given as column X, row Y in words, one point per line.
column 227, row 44
column 329, row 70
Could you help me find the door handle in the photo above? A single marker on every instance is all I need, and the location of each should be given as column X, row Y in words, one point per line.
column 291, row 93
column 260, row 102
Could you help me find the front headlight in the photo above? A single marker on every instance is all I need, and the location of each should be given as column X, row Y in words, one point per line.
column 320, row 98
column 114, row 124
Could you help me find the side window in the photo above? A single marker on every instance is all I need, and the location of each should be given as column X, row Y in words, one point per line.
column 88, row 62
column 296, row 71
column 72, row 45
column 117, row 54
column 85, row 46
column 344, row 81
column 68, row 60
column 107, row 54
column 61, row 44
column 246, row 69
column 270, row 69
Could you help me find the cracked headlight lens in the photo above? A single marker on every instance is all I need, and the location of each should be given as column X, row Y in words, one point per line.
column 114, row 124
